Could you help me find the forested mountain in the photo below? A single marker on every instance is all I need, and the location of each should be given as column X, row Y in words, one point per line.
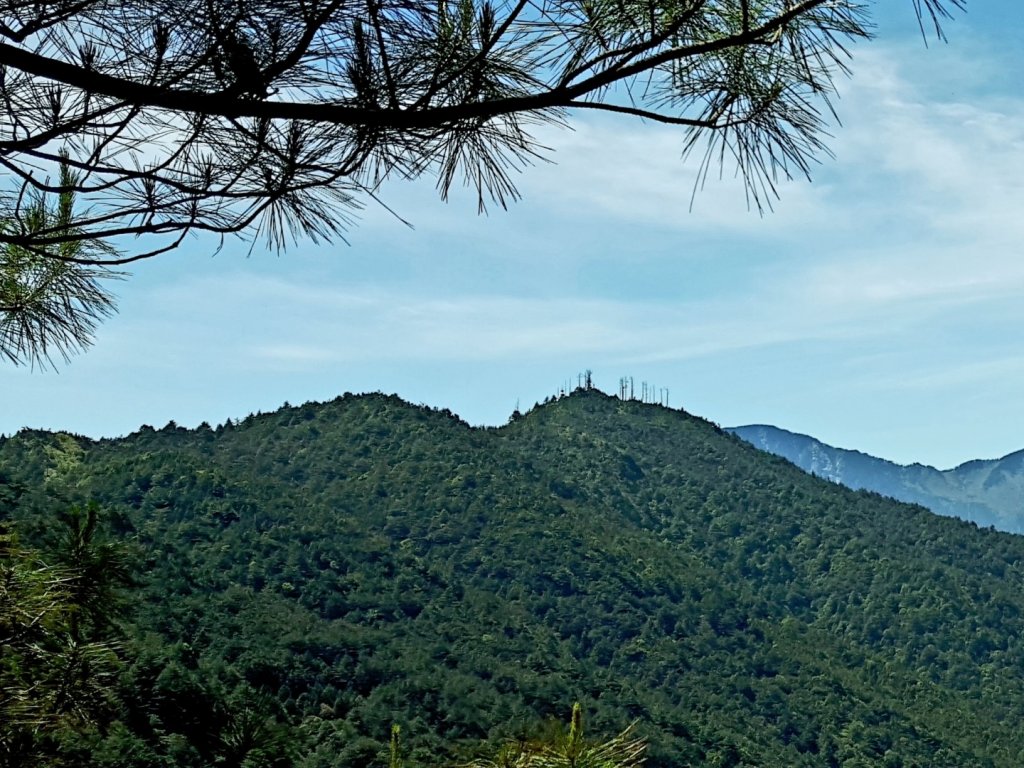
column 985, row 492
column 313, row 575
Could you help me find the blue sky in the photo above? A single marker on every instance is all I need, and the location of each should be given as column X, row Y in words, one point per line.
column 879, row 307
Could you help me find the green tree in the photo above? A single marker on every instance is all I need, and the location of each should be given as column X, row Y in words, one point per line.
column 97, row 571
column 568, row 749
column 253, row 738
column 58, row 659
column 49, row 301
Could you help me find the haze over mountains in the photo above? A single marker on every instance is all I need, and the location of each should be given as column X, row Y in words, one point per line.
column 329, row 569
column 986, row 492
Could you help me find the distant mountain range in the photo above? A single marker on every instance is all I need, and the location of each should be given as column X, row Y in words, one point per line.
column 984, row 492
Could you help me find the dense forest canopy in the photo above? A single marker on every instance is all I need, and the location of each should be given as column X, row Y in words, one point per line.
column 319, row 573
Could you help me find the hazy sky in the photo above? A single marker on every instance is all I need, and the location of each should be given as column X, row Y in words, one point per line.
column 879, row 307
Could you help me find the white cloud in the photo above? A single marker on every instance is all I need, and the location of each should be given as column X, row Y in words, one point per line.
column 916, row 216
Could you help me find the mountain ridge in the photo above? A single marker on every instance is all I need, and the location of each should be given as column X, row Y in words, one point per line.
column 984, row 491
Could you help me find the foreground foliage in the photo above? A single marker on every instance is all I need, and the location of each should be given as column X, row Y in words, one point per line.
column 50, row 304
column 313, row 575
column 283, row 118
column 567, row 750
column 58, row 662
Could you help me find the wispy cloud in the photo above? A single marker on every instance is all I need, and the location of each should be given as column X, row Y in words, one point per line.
column 916, row 216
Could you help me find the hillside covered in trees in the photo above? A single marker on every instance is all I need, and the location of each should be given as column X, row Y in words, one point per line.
column 307, row 578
